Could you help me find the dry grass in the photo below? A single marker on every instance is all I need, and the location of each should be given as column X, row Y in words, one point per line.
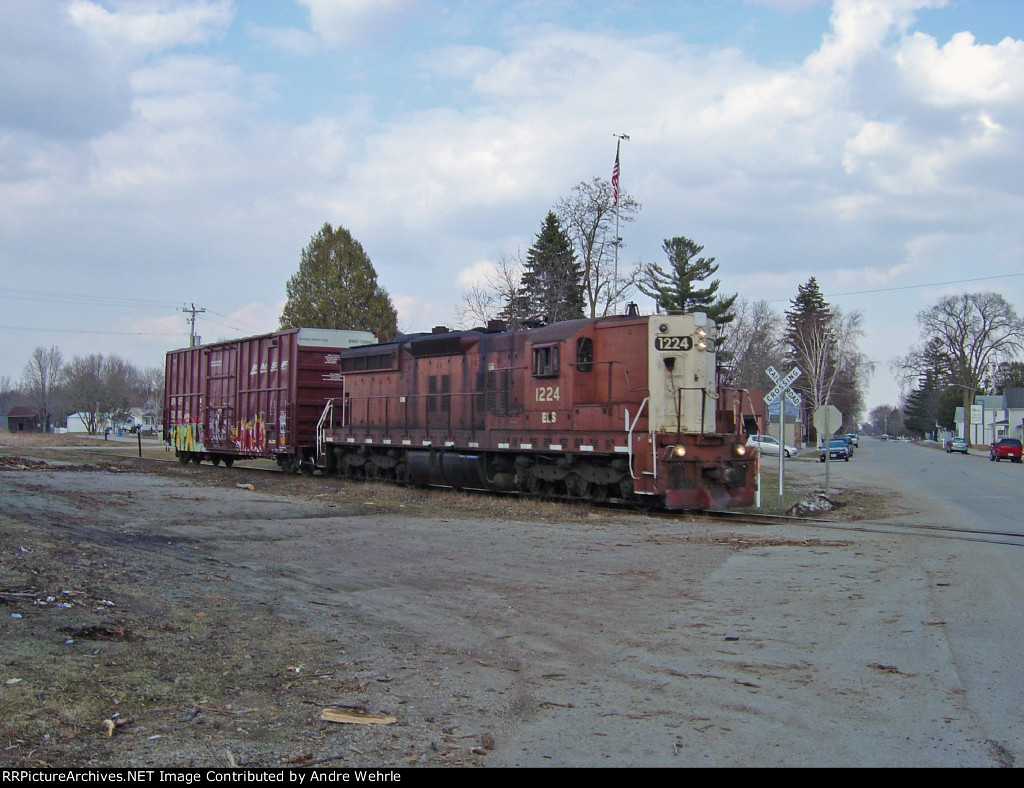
column 44, row 440
column 172, row 662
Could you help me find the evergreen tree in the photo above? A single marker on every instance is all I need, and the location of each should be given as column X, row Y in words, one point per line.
column 676, row 290
column 808, row 309
column 336, row 287
column 920, row 409
column 551, row 288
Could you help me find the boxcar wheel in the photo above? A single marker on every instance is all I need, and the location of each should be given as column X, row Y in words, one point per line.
column 183, row 457
column 229, row 461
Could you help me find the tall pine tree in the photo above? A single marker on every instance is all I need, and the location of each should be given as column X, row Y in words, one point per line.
column 551, row 288
column 677, row 290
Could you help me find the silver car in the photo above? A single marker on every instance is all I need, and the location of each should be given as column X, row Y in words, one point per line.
column 766, row 444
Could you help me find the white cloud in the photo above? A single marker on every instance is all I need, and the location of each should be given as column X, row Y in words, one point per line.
column 476, row 274
column 354, row 21
column 152, row 26
column 963, row 72
column 860, row 27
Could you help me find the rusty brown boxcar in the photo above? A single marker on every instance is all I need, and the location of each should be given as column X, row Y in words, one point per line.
column 258, row 397
column 616, row 408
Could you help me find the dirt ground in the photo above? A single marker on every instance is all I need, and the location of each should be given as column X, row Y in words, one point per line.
column 154, row 614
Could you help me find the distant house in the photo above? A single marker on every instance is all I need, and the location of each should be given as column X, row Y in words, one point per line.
column 994, row 417
column 22, row 418
column 77, row 422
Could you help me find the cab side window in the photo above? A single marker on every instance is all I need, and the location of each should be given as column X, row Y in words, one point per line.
column 584, row 354
column 545, row 361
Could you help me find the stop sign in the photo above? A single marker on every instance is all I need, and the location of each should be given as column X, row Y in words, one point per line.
column 827, row 419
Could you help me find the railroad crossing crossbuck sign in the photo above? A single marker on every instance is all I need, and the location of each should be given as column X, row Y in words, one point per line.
column 782, row 384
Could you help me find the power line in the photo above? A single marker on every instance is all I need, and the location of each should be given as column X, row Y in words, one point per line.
column 80, row 298
column 92, row 331
column 931, row 284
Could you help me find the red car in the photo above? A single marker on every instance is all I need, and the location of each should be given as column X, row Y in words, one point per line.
column 1006, row 449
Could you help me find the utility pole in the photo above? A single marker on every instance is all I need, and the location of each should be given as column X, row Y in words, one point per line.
column 193, row 340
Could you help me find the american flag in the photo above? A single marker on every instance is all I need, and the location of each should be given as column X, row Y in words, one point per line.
column 615, row 175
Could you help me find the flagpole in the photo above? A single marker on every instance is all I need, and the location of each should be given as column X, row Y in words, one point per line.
column 615, row 197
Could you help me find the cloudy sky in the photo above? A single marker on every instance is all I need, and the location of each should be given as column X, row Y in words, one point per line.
column 158, row 153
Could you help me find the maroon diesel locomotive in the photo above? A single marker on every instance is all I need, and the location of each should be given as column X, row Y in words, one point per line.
column 621, row 408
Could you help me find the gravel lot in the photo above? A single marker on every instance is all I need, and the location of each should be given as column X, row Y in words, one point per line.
column 160, row 615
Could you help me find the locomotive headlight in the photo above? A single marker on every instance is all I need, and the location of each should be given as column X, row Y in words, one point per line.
column 702, row 332
column 739, row 450
column 702, row 344
column 676, row 452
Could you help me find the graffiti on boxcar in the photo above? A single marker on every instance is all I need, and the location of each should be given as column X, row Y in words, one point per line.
column 187, row 437
column 250, row 435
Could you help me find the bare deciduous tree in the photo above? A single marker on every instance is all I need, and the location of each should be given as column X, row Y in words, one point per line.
column 41, row 379
column 485, row 301
column 753, row 344
column 833, row 367
column 968, row 334
column 101, row 388
column 588, row 215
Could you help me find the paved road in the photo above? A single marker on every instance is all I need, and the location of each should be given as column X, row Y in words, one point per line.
column 964, row 490
column 972, row 597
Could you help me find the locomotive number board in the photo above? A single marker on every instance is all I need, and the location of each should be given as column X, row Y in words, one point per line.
column 673, row 343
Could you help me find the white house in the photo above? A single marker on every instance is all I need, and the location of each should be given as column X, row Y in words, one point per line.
column 994, row 417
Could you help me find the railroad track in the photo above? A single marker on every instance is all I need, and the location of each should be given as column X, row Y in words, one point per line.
column 987, row 536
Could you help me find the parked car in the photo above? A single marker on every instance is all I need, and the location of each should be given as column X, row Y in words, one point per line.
column 1006, row 449
column 853, row 439
column 956, row 444
column 766, row 444
column 838, row 449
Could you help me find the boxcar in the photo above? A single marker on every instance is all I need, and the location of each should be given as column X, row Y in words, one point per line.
column 253, row 398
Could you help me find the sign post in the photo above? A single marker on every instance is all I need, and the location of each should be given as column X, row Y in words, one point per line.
column 827, row 419
column 781, row 392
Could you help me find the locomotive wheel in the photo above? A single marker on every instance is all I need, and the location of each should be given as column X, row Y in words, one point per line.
column 402, row 474
column 577, row 486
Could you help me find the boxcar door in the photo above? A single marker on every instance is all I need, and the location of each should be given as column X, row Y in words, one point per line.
column 221, row 381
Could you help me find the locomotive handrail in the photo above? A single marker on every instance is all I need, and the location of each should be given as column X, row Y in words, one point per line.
column 325, row 414
column 629, row 440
